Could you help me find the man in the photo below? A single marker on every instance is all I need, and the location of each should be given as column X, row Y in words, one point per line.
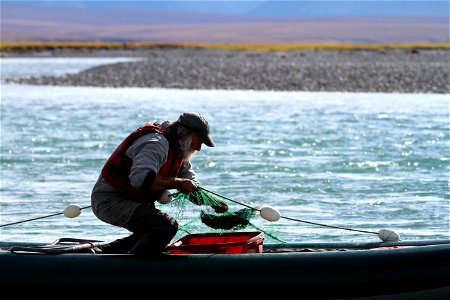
column 152, row 159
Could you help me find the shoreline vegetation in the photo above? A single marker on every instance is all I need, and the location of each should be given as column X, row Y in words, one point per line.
column 332, row 67
column 30, row 47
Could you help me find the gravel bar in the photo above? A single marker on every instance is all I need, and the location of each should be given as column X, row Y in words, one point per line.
column 390, row 71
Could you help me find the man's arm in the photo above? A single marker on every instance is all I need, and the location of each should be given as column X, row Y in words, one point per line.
column 159, row 183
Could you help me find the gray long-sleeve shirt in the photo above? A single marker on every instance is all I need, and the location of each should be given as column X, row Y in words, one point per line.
column 149, row 153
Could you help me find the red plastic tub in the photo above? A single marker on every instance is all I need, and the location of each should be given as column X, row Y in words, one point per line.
column 229, row 243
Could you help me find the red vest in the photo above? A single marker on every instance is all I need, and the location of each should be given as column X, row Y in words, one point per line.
column 118, row 167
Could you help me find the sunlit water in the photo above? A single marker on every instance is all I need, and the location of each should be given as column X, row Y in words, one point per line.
column 362, row 161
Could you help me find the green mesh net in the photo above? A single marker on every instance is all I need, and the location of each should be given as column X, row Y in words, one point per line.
column 227, row 220
column 200, row 197
column 234, row 219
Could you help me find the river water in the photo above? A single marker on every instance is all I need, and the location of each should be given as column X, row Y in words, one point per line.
column 362, row 161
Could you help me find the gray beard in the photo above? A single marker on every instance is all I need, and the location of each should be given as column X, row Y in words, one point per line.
column 188, row 155
column 185, row 147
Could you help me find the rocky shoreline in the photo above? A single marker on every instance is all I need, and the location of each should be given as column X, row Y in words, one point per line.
column 396, row 70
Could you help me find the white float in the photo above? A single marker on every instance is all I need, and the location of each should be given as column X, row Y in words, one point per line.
column 387, row 235
column 269, row 213
column 165, row 198
column 72, row 211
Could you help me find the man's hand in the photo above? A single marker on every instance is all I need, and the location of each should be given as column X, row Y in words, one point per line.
column 186, row 185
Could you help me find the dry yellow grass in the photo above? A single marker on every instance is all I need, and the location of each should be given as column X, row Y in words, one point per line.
column 328, row 46
column 23, row 47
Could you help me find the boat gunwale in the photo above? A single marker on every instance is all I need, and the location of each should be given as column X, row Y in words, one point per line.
column 303, row 247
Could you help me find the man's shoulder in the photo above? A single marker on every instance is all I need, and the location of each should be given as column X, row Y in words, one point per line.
column 154, row 138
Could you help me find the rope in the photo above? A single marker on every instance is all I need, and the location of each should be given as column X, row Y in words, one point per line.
column 55, row 214
column 229, row 199
column 330, row 226
column 292, row 219
column 43, row 217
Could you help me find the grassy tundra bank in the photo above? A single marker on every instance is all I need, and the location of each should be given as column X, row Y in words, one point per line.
column 10, row 48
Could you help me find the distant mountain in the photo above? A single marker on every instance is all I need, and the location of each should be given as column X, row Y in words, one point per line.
column 226, row 21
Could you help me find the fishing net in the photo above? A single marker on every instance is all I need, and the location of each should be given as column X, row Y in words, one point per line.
column 227, row 220
column 212, row 215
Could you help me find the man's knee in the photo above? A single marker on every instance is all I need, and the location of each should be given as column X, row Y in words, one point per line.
column 147, row 219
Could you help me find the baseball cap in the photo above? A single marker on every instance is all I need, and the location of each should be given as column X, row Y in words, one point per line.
column 199, row 124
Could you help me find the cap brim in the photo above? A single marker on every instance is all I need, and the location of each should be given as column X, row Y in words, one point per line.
column 208, row 141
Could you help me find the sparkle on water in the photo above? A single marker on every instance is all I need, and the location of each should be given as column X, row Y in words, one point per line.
column 358, row 160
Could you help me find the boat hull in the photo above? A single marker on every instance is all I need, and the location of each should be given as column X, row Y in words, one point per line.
column 326, row 274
